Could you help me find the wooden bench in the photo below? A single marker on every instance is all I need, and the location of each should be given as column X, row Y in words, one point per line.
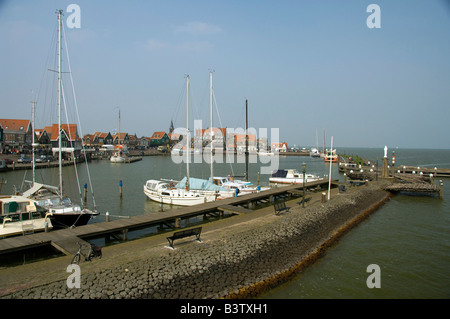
column 280, row 207
column 185, row 233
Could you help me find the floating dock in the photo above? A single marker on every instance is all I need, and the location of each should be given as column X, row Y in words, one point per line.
column 66, row 240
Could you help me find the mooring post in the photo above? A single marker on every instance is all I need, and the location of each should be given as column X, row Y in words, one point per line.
column 441, row 189
column 85, row 192
column 120, row 188
column 107, row 217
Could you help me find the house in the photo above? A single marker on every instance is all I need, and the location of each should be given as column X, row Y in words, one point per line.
column 240, row 142
column 42, row 137
column 159, row 138
column 218, row 135
column 70, row 141
column 17, row 134
column 103, row 138
column 279, row 147
column 122, row 140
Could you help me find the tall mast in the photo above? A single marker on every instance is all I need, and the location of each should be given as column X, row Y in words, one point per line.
column 246, row 140
column 211, row 120
column 33, row 103
column 60, row 12
column 118, row 141
column 188, row 142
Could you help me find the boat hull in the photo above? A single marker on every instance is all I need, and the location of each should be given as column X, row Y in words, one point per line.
column 23, row 227
column 60, row 221
column 179, row 200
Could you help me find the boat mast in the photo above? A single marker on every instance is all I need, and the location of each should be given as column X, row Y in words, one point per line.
column 60, row 12
column 188, row 139
column 33, row 103
column 246, row 140
column 211, row 120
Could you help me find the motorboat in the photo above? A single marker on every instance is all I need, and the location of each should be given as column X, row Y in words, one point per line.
column 291, row 176
column 19, row 216
column 331, row 156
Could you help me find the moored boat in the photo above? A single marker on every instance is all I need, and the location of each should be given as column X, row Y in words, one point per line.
column 19, row 215
column 291, row 176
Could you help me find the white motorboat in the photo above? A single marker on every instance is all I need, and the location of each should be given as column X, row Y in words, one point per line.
column 291, row 176
column 19, row 216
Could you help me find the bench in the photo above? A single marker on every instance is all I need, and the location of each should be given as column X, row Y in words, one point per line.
column 185, row 233
column 280, row 207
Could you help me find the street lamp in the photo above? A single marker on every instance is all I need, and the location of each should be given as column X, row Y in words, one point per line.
column 304, row 172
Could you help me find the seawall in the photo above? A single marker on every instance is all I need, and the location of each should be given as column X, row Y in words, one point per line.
column 238, row 258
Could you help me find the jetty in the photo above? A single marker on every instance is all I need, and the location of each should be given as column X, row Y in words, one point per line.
column 65, row 240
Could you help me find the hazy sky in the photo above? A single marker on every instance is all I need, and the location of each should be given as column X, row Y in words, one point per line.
column 304, row 66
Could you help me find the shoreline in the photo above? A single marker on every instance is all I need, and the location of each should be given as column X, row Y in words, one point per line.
column 239, row 257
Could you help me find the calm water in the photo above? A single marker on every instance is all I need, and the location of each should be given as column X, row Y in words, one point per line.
column 409, row 237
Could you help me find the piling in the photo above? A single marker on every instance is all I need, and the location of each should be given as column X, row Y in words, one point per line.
column 85, row 192
column 120, row 188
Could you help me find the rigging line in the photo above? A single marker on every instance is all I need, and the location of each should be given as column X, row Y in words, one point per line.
column 228, row 155
column 78, row 118
column 70, row 141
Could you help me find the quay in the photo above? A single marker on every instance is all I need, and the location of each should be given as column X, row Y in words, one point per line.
column 66, row 240
column 238, row 257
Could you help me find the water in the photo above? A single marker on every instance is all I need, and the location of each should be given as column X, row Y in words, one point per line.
column 409, row 237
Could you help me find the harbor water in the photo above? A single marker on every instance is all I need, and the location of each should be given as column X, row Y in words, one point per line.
column 408, row 238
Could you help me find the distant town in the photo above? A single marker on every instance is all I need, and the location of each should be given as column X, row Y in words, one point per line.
column 16, row 137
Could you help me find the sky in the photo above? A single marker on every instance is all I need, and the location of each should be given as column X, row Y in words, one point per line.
column 305, row 66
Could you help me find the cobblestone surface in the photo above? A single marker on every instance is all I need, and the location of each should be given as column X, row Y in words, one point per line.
column 241, row 263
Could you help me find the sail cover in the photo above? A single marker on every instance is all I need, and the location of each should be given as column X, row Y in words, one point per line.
column 199, row 184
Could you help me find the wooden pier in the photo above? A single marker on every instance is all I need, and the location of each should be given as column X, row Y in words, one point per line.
column 66, row 240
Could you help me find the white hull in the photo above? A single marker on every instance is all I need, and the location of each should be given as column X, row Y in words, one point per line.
column 173, row 196
column 23, row 227
column 117, row 159
column 280, row 180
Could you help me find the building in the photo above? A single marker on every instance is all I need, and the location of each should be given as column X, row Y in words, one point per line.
column 17, row 134
column 279, row 147
column 70, row 141
column 159, row 139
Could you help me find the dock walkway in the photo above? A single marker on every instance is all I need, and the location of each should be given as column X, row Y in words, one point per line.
column 66, row 240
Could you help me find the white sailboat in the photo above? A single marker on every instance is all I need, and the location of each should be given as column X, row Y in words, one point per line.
column 118, row 156
column 64, row 213
column 166, row 193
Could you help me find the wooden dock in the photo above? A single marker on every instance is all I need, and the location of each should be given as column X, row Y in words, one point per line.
column 66, row 240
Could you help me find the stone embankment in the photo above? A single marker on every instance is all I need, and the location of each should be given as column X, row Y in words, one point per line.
column 239, row 261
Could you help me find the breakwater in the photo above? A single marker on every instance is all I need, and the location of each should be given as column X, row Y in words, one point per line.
column 234, row 260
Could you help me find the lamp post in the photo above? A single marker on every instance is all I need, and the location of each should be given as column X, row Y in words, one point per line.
column 304, row 172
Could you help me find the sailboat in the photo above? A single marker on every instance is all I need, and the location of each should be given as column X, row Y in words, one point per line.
column 165, row 192
column 63, row 212
column 118, row 156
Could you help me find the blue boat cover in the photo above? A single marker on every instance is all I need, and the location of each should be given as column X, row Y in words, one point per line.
column 199, row 184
